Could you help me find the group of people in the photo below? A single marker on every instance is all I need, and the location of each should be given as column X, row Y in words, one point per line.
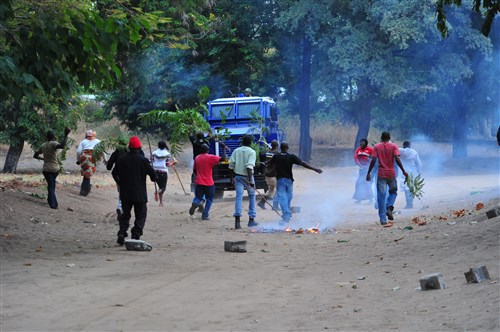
column 384, row 156
column 279, row 178
column 130, row 168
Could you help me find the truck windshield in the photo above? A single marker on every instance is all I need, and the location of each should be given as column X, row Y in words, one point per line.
column 246, row 110
column 223, row 111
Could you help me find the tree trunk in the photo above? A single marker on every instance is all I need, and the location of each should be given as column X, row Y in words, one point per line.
column 305, row 144
column 363, row 108
column 460, row 126
column 13, row 155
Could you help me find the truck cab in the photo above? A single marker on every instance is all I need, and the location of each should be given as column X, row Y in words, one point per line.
column 231, row 119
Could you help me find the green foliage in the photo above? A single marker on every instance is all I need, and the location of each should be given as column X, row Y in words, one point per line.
column 415, row 185
column 488, row 8
column 182, row 124
column 108, row 145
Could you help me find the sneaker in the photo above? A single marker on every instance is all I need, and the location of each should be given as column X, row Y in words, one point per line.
column 252, row 223
column 237, row 223
column 200, row 206
column 262, row 205
column 389, row 212
column 383, row 223
column 192, row 208
column 120, row 240
column 205, row 218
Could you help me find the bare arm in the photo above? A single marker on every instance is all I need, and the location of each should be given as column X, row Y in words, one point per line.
column 398, row 161
column 372, row 164
column 65, row 139
column 306, row 165
column 37, row 154
column 250, row 177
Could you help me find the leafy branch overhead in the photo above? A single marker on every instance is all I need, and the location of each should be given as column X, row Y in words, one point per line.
column 490, row 8
column 182, row 123
column 109, row 145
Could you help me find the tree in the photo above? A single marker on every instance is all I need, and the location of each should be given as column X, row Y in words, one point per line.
column 489, row 8
column 75, row 45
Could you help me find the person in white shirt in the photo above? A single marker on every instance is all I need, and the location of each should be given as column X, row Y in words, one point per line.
column 85, row 160
column 411, row 163
column 161, row 160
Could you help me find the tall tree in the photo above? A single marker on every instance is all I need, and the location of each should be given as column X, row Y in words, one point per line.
column 75, row 45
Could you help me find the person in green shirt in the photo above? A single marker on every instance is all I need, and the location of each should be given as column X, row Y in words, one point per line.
column 51, row 166
column 242, row 163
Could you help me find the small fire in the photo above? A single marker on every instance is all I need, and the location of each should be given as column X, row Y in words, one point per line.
column 312, row 230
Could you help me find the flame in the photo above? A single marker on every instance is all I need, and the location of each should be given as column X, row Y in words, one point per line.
column 313, row 230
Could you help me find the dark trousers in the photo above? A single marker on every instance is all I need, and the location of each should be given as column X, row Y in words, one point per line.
column 50, row 177
column 85, row 187
column 140, row 211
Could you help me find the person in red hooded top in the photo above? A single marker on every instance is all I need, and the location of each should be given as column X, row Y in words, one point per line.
column 130, row 174
column 362, row 158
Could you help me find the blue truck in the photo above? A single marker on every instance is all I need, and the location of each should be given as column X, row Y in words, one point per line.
column 232, row 118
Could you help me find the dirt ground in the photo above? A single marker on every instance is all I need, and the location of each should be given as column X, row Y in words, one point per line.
column 61, row 270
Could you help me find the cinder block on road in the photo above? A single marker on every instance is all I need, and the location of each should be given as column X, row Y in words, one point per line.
column 238, row 246
column 493, row 212
column 432, row 281
column 477, row 274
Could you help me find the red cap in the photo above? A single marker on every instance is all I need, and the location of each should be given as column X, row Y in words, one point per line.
column 134, row 143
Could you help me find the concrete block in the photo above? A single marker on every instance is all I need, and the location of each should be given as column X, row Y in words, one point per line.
column 238, row 246
column 432, row 281
column 477, row 274
column 493, row 212
column 138, row 245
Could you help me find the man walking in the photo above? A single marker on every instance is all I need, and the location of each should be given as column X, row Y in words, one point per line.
column 411, row 162
column 130, row 174
column 51, row 165
column 242, row 162
column 204, row 185
column 283, row 162
column 386, row 152
column 270, row 177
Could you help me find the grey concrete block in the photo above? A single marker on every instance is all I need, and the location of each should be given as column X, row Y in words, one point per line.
column 493, row 213
column 138, row 245
column 477, row 274
column 238, row 246
column 432, row 281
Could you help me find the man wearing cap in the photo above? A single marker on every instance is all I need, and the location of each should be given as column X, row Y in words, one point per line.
column 130, row 174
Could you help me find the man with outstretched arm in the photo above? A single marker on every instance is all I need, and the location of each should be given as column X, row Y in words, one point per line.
column 284, row 162
column 51, row 166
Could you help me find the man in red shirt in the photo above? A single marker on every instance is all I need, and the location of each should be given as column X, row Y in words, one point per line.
column 386, row 152
column 204, row 183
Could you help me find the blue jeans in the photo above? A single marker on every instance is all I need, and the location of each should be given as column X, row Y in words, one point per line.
column 384, row 200
column 50, row 177
column 284, row 189
column 240, row 184
column 208, row 192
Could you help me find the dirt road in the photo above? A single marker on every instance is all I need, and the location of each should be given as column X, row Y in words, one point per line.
column 62, row 270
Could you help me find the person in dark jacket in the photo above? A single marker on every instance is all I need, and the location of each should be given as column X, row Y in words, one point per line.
column 130, row 174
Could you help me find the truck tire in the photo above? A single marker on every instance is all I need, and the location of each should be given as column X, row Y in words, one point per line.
column 219, row 194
